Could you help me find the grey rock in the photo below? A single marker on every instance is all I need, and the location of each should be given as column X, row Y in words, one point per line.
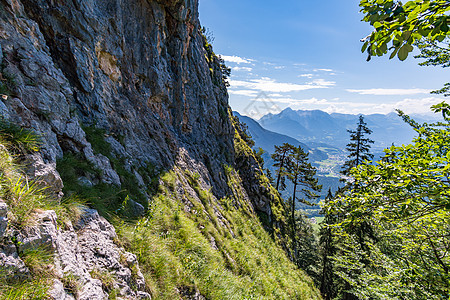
column 11, row 264
column 139, row 179
column 57, row 292
column 142, row 295
column 92, row 290
column 45, row 233
column 116, row 147
column 134, row 209
column 77, row 253
column 3, row 217
column 45, row 173
column 101, row 162
column 84, row 181
column 4, row 112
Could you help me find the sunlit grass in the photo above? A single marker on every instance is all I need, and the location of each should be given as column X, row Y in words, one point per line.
column 230, row 258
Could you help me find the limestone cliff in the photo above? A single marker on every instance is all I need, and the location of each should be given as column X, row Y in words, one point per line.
column 121, row 93
column 137, row 69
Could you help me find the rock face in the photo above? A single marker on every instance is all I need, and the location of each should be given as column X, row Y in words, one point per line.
column 140, row 71
column 137, row 69
column 86, row 255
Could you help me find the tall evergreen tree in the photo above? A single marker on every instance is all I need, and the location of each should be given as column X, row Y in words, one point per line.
column 359, row 146
column 282, row 161
column 302, row 174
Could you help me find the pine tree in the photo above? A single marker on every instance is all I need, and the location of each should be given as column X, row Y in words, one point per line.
column 302, row 174
column 282, row 161
column 359, row 147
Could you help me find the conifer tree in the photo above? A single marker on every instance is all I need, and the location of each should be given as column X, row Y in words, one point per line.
column 302, row 174
column 282, row 161
column 359, row 146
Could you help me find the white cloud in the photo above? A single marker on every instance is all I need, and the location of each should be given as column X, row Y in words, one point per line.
column 275, row 95
column 323, row 70
column 423, row 105
column 323, row 82
column 248, row 93
column 279, row 67
column 409, row 106
column 236, row 59
column 270, row 85
column 246, row 69
column 306, row 75
column 389, row 92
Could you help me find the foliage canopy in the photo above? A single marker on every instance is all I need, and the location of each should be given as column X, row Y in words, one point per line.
column 405, row 198
column 397, row 25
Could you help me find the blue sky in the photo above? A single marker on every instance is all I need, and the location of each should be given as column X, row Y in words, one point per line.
column 306, row 55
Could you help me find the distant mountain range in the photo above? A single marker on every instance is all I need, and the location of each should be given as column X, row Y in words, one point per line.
column 315, row 126
column 325, row 136
column 267, row 139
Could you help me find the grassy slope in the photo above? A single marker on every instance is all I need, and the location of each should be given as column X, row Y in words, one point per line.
column 217, row 247
column 189, row 242
column 228, row 258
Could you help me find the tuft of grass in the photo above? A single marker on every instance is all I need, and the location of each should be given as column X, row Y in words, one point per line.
column 17, row 139
column 107, row 279
column 39, row 261
column 71, row 284
column 22, row 195
column 96, row 136
column 70, row 210
column 104, row 197
column 28, row 289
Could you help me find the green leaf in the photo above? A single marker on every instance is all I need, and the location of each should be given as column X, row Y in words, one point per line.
column 406, row 35
column 444, row 27
column 440, row 38
column 364, row 47
column 377, row 25
column 383, row 48
column 404, row 51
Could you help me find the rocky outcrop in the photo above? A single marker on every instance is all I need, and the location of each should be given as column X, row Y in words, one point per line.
column 87, row 262
column 137, row 69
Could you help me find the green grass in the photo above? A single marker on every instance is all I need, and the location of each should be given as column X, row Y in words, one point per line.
column 7, row 83
column 175, row 252
column 188, row 241
column 25, row 198
column 105, row 198
column 22, row 195
column 17, row 139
